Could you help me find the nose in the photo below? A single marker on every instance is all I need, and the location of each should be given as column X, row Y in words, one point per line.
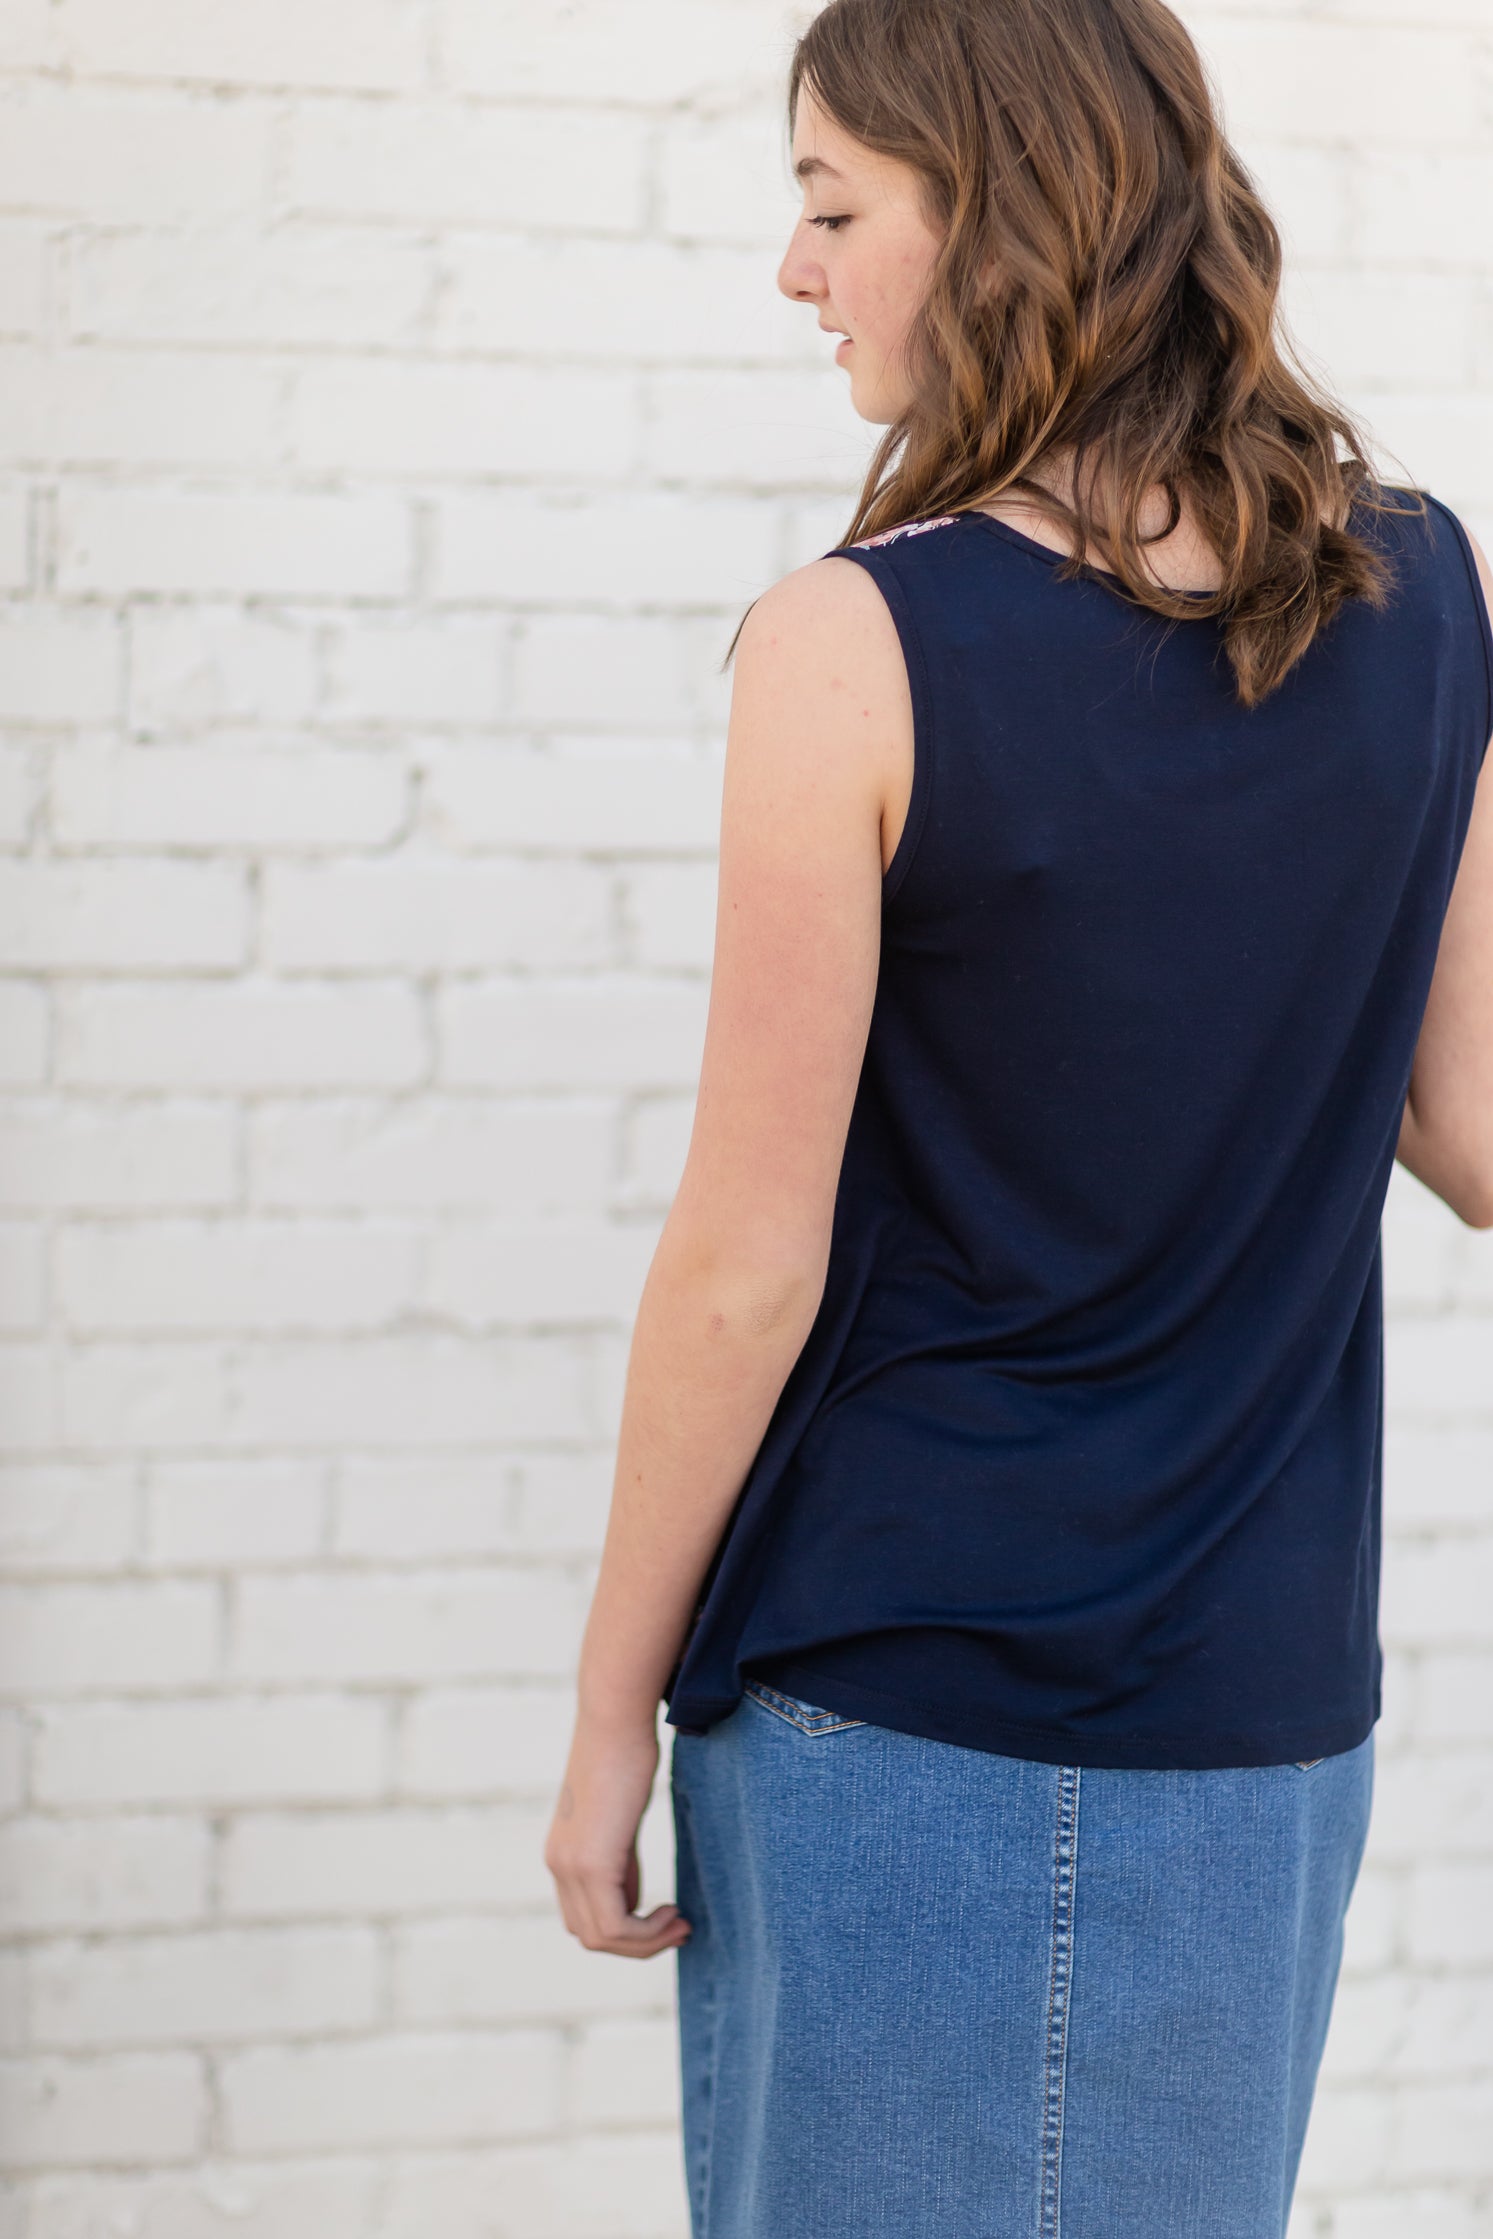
column 800, row 276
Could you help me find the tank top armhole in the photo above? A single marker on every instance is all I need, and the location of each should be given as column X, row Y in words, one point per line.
column 883, row 574
column 1480, row 608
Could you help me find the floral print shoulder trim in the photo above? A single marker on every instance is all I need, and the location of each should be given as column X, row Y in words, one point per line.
column 904, row 528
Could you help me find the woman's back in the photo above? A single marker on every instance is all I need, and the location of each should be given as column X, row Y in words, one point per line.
column 1081, row 1459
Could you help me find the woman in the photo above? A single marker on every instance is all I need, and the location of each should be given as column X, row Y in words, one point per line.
column 1106, row 896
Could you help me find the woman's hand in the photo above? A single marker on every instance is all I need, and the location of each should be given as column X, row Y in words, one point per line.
column 592, row 1848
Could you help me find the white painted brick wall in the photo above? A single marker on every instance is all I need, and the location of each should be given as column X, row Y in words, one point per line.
column 396, row 411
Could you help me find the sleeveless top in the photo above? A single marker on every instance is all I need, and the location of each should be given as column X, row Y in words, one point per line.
column 1081, row 1459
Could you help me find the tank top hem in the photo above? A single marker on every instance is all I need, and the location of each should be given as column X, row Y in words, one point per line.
column 971, row 1727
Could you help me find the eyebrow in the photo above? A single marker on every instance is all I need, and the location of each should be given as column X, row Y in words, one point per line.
column 807, row 165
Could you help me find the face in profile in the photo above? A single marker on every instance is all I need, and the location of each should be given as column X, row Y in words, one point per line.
column 862, row 254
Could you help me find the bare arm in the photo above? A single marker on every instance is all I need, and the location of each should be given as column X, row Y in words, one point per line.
column 820, row 704
column 1446, row 1139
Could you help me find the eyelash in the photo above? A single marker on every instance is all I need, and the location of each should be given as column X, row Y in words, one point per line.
column 830, row 223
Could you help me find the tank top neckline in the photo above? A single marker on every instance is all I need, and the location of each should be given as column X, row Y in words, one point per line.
column 1055, row 559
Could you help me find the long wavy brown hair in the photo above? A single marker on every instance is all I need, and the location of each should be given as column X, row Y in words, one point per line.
column 1106, row 292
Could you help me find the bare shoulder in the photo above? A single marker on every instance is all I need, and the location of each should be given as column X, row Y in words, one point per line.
column 825, row 628
column 1484, row 568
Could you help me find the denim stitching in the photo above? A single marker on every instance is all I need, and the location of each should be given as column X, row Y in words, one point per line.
column 698, row 2174
column 788, row 1709
column 1060, row 1980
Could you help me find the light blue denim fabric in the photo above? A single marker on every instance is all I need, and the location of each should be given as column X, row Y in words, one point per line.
column 934, row 1993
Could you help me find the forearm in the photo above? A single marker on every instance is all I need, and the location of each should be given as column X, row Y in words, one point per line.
column 713, row 1343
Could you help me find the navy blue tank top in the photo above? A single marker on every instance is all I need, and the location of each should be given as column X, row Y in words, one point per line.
column 1081, row 1459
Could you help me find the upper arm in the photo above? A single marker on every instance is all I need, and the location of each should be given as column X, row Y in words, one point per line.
column 1449, row 1126
column 820, row 706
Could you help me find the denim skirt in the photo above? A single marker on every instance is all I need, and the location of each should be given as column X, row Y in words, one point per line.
column 934, row 1993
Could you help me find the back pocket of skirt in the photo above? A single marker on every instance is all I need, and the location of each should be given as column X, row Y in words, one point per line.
column 807, row 1717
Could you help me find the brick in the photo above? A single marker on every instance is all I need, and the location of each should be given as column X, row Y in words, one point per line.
column 295, row 2200
column 219, row 1986
column 725, row 177
column 29, row 434
column 25, row 35
column 1442, row 1803
column 202, row 1514
column 20, row 792
column 1440, row 1368
column 1438, row 1591
column 1399, row 2026
column 288, row 545
column 406, row 1626
column 157, row 1393
column 217, row 1750
column 1449, row 441
column 23, row 266
column 654, row 548
column 644, row 301
column 110, row 1873
column 564, row 1276
column 1348, row 2138
column 669, row 910
column 439, row 1154
column 409, row 2090
column 404, row 1511
column 624, row 2074
column 25, row 1035
column 617, row 2188
column 226, row 1275
column 15, row 540
column 656, row 1145
column 519, row 1970
column 1430, row 2215
column 120, row 917
column 23, row 1281
column 762, row 429
column 67, row 1640
column 1422, row 206
column 1327, row 82
column 563, row 1501
column 241, row 1035
column 396, row 673
column 485, row 1741
column 29, row 1409
column 1372, row 1938
column 627, row 800
column 216, row 664
column 399, row 1511
column 1444, row 2131
column 1454, row 1701
column 103, row 1157
column 1385, row 330
column 659, row 51
column 60, row 1516
column 55, row 2112
column 420, row 417
column 14, row 1748
column 58, row 667
column 227, row 797
column 151, row 408
column 383, row 1864
column 620, row 674
column 298, row 287
column 412, row 1390
column 138, row 159
column 456, row 163
column 1451, row 1915
column 1420, row 1236
column 611, row 1030
column 1436, row 1476
column 379, row 47
column 430, row 913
